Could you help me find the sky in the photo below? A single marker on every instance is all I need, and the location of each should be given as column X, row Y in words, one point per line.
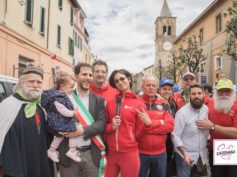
column 122, row 32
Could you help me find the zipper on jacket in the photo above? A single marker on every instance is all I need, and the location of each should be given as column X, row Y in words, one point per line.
column 116, row 139
column 131, row 133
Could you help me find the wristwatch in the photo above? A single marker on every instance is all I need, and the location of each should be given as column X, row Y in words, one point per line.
column 213, row 127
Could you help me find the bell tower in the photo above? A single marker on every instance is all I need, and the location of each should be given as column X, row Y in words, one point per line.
column 165, row 34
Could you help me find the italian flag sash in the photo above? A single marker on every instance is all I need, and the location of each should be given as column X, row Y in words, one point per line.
column 85, row 118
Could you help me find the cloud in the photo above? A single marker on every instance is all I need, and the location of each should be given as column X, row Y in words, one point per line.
column 122, row 32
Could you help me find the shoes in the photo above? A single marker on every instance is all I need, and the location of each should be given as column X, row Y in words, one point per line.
column 74, row 155
column 53, row 155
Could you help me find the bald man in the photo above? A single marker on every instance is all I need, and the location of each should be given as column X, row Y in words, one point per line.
column 158, row 123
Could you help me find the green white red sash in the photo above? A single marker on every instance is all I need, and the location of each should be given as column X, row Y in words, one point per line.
column 85, row 118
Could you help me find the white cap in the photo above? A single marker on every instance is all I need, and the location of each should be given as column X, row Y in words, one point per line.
column 188, row 74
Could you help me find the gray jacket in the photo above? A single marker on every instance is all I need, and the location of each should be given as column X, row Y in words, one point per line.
column 97, row 110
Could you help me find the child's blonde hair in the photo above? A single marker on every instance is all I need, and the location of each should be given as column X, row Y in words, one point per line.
column 62, row 80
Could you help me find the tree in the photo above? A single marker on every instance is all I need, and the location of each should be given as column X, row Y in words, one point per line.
column 160, row 70
column 192, row 55
column 175, row 67
column 231, row 30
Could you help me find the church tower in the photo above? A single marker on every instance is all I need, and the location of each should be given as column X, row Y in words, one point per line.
column 165, row 34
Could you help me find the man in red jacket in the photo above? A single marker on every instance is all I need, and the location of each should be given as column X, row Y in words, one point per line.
column 158, row 123
column 100, row 85
column 182, row 98
column 222, row 123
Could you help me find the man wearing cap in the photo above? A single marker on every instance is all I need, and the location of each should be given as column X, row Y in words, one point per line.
column 158, row 123
column 165, row 90
column 100, row 85
column 23, row 137
column 222, row 123
column 182, row 98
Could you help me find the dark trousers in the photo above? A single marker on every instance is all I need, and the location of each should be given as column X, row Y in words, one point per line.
column 156, row 163
column 222, row 170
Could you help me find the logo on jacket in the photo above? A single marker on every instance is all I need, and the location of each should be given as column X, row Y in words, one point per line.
column 159, row 107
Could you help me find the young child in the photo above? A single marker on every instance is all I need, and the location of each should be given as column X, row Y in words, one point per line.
column 61, row 118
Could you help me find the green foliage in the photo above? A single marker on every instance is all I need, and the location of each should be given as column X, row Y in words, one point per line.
column 175, row 67
column 231, row 30
column 192, row 55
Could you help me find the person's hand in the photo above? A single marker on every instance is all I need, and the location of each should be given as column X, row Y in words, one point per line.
column 144, row 117
column 204, row 124
column 79, row 132
column 159, row 97
column 116, row 121
column 162, row 122
column 188, row 160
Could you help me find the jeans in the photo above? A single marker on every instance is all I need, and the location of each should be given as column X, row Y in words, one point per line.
column 156, row 163
column 184, row 170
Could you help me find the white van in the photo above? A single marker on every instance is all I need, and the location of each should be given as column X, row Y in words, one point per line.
column 6, row 86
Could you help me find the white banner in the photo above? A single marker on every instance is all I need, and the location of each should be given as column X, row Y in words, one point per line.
column 225, row 152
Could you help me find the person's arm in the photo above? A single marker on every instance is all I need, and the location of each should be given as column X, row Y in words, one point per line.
column 230, row 132
column 63, row 110
column 111, row 124
column 187, row 157
column 179, row 126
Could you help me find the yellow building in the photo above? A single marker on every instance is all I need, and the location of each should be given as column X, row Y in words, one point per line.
column 79, row 34
column 87, row 55
column 41, row 32
column 209, row 29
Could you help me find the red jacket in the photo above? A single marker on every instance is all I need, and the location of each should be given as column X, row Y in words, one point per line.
column 124, row 139
column 107, row 92
column 153, row 140
column 181, row 99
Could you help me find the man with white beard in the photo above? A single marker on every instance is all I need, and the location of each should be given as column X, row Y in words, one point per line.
column 23, row 135
column 222, row 123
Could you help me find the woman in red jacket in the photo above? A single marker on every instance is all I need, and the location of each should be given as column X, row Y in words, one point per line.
column 123, row 127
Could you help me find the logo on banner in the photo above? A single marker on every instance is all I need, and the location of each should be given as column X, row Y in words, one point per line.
column 225, row 152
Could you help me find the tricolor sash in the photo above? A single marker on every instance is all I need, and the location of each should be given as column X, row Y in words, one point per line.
column 85, row 118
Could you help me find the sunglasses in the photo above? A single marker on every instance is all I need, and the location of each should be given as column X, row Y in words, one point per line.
column 120, row 79
column 188, row 78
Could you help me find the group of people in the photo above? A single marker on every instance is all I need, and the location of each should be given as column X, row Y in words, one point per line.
column 87, row 120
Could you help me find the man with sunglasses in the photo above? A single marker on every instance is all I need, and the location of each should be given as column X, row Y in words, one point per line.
column 182, row 98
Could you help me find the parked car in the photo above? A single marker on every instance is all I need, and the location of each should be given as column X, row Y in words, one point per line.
column 6, row 86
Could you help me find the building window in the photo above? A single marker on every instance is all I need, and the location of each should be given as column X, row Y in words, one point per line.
column 23, row 63
column 75, row 39
column 60, row 4
column 70, row 46
column 201, row 35
column 218, row 62
column 79, row 43
column 71, row 16
column 42, row 20
column 164, row 31
column 169, row 30
column 58, row 36
column 29, row 8
column 218, row 23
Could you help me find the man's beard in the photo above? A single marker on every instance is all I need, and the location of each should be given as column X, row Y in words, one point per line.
column 31, row 93
column 223, row 103
column 196, row 103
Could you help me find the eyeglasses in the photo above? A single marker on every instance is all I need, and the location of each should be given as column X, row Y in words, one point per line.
column 120, row 79
column 188, row 78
